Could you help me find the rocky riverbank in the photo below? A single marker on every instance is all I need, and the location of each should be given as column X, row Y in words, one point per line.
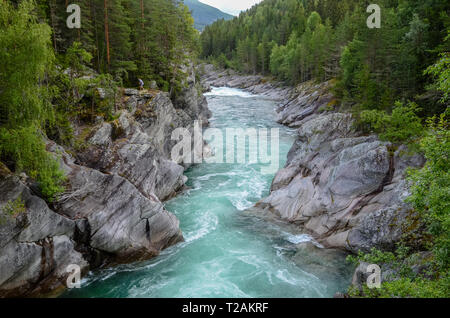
column 343, row 187
column 112, row 209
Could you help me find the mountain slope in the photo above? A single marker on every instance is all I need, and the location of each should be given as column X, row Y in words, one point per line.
column 204, row 14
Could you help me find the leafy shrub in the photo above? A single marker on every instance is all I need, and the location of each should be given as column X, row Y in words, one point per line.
column 430, row 191
column 374, row 257
column 441, row 72
column 409, row 288
column 25, row 58
column 14, row 207
column 104, row 107
column 402, row 125
column 27, row 150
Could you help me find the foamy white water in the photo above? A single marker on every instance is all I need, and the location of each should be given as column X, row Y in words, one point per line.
column 228, row 91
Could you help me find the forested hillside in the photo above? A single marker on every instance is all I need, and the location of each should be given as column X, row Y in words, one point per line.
column 204, row 14
column 126, row 38
column 298, row 40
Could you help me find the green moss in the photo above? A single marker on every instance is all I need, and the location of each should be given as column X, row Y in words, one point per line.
column 80, row 142
column 117, row 130
column 4, row 171
column 15, row 207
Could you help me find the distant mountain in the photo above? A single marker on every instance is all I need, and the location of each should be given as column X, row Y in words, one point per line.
column 204, row 14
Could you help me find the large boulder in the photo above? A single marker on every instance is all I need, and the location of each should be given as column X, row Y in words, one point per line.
column 344, row 188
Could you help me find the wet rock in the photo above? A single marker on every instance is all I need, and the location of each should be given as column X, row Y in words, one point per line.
column 327, row 264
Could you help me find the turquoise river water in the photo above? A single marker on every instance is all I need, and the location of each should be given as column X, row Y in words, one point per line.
column 227, row 252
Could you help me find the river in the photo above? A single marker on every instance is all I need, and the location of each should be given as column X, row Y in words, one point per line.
column 227, row 252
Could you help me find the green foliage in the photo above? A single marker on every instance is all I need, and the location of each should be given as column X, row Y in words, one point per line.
column 408, row 288
column 403, row 125
column 430, row 191
column 222, row 61
column 24, row 57
column 75, row 59
column 76, row 94
column 151, row 44
column 69, row 82
column 26, row 148
column 25, row 107
column 14, row 207
column 297, row 41
column 104, row 107
column 374, row 257
column 441, row 72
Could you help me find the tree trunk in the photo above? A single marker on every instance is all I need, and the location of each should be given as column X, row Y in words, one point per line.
column 52, row 19
column 94, row 20
column 142, row 13
column 106, row 32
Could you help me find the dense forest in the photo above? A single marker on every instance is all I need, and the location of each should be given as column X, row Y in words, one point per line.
column 299, row 40
column 394, row 79
column 128, row 39
column 47, row 70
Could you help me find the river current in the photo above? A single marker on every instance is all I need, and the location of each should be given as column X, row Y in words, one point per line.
column 227, row 252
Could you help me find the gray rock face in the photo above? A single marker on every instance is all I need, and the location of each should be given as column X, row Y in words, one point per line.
column 111, row 212
column 360, row 276
column 121, row 220
column 136, row 156
column 36, row 246
column 138, row 144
